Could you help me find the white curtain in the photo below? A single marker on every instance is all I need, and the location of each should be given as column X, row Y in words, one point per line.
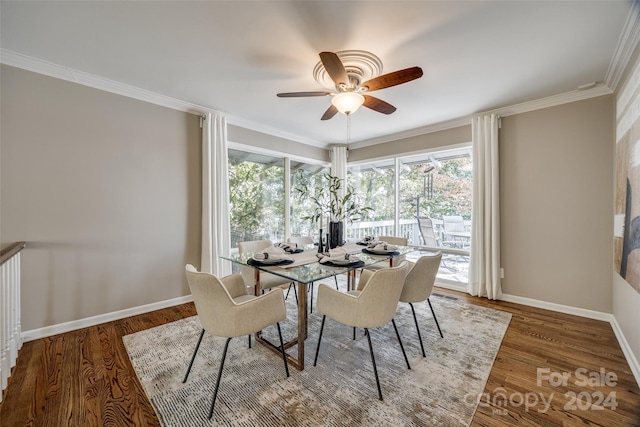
column 339, row 165
column 484, row 267
column 216, row 237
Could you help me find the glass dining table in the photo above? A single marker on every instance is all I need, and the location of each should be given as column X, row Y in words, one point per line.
column 307, row 269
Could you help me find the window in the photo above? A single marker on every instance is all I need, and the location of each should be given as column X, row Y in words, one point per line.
column 312, row 177
column 256, row 195
column 436, row 186
column 257, row 191
column 375, row 184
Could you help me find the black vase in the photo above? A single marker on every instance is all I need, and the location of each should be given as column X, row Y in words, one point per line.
column 336, row 234
column 320, row 245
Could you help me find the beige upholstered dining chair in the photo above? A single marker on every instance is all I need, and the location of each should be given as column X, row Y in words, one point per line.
column 267, row 280
column 225, row 309
column 373, row 304
column 418, row 286
column 392, row 240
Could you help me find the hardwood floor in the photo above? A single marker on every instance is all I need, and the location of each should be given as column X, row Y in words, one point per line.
column 84, row 377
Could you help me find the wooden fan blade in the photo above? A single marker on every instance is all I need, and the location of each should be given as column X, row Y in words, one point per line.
column 331, row 111
column 378, row 105
column 301, row 94
column 393, row 79
column 334, row 67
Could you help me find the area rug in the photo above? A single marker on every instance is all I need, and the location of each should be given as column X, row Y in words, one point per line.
column 441, row 389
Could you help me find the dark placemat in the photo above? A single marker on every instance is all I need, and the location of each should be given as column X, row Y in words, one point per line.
column 367, row 251
column 358, row 264
column 257, row 263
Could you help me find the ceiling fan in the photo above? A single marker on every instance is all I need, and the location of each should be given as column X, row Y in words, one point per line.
column 351, row 92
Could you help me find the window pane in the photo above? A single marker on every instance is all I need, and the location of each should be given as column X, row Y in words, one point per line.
column 256, row 194
column 311, row 178
column 374, row 183
column 438, row 187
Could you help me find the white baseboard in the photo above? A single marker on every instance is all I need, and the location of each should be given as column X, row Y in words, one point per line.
column 626, row 349
column 60, row 328
column 576, row 311
column 591, row 314
column 582, row 312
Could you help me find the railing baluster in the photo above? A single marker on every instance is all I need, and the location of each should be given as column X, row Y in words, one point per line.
column 4, row 321
column 10, row 323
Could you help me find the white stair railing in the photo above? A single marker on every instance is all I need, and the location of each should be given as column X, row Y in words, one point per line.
column 10, row 327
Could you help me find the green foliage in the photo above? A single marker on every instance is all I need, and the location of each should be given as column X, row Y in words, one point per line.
column 326, row 201
column 451, row 190
column 378, row 187
column 256, row 193
column 256, row 196
column 451, row 193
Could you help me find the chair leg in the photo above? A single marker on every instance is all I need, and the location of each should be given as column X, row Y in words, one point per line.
column 311, row 302
column 400, row 341
column 284, row 356
column 295, row 292
column 193, row 357
column 435, row 318
column 373, row 361
column 319, row 339
column 249, row 340
column 415, row 319
column 215, row 390
column 354, row 333
column 336, row 279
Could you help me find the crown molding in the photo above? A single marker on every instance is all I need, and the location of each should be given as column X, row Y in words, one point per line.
column 248, row 124
column 449, row 124
column 550, row 101
column 538, row 104
column 50, row 69
column 35, row 65
column 627, row 43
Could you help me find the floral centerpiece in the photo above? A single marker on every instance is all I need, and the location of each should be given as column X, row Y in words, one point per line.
column 328, row 202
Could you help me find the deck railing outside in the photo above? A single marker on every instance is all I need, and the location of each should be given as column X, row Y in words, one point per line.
column 455, row 259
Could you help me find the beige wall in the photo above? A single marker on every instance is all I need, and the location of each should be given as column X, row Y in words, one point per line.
column 105, row 190
column 556, row 182
column 413, row 144
column 262, row 140
column 556, row 193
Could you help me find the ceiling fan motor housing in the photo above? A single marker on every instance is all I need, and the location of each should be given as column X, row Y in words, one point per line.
column 360, row 66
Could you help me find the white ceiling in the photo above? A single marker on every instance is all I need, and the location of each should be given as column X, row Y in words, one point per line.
column 234, row 57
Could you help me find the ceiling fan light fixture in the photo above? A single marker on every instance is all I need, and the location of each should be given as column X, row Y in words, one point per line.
column 347, row 102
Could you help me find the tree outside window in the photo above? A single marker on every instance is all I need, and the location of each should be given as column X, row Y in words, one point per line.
column 256, row 196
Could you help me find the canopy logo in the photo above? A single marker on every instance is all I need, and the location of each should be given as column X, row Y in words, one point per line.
column 500, row 399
